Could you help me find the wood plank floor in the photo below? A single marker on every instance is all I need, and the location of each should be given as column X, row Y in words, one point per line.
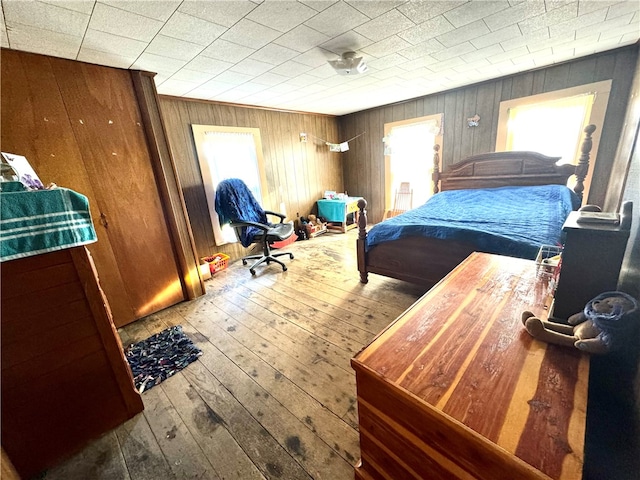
column 273, row 396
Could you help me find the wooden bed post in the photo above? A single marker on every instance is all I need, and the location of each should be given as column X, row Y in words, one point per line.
column 436, row 168
column 583, row 162
column 362, row 241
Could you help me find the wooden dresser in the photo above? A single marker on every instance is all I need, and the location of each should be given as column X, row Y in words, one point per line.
column 65, row 379
column 456, row 388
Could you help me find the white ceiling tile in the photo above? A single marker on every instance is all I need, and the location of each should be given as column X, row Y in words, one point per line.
column 501, row 57
column 44, row 16
column 385, row 74
column 250, row 88
column 290, row 69
column 349, row 41
column 632, row 28
column 499, row 36
column 122, row 23
column 542, row 44
column 252, row 67
column 104, row 58
column 176, row 87
column 225, row 13
column 318, row 5
column 250, row 34
column 158, row 63
column 420, row 62
column 337, row 19
column 173, row 48
column 456, row 51
column 472, row 11
column 385, row 25
column 193, row 76
column 622, row 8
column 447, row 64
column 520, row 40
column 515, row 14
column 192, row 29
column 374, row 8
column 215, row 86
column 593, row 18
column 607, row 26
column 82, row 6
column 315, row 57
column 274, row 54
column 281, row 15
column 566, row 12
column 323, row 71
column 269, row 79
column 467, row 66
column 227, row 51
column 4, row 39
column 628, row 39
column 470, row 31
column 387, row 46
column 485, row 52
column 109, row 43
column 156, row 9
column 303, row 80
column 279, row 89
column 387, row 61
column 422, row 11
column 422, row 49
column 301, row 38
column 234, row 78
column 205, row 64
column 427, row 30
column 36, row 40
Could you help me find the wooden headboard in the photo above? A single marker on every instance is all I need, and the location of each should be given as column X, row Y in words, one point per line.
column 501, row 169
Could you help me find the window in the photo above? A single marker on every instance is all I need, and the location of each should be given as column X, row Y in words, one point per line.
column 553, row 123
column 409, row 159
column 228, row 152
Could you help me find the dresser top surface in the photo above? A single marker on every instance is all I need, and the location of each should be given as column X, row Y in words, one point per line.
column 463, row 350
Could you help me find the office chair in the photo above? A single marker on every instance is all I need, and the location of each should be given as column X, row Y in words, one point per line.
column 236, row 205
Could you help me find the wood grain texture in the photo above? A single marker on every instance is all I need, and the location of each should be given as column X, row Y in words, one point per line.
column 447, row 378
column 297, row 173
column 80, row 127
column 64, row 377
column 460, row 141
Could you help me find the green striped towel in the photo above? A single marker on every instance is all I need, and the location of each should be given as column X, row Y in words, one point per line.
column 41, row 221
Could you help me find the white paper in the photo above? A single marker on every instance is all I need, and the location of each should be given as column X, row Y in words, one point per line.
column 26, row 173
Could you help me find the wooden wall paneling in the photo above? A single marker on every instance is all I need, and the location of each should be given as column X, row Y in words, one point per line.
column 459, row 126
column 296, row 173
column 522, row 85
column 104, row 115
column 168, row 184
column 556, row 78
column 496, row 113
column 363, row 144
column 469, row 110
column 35, row 124
column 610, row 133
column 615, row 65
column 485, row 107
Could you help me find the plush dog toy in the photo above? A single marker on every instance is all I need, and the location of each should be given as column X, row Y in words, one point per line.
column 603, row 326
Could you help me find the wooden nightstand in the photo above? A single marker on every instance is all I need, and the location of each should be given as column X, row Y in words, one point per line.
column 591, row 261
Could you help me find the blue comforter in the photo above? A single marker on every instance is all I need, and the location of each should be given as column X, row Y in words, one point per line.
column 511, row 221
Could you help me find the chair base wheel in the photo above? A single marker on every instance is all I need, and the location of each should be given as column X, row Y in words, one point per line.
column 253, row 272
column 244, row 262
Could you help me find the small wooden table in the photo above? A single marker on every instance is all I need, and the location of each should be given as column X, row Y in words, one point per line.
column 456, row 388
column 341, row 215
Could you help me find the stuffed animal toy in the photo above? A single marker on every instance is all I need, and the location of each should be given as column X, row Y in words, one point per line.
column 603, row 326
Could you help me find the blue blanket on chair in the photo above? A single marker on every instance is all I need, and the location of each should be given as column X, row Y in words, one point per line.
column 235, row 203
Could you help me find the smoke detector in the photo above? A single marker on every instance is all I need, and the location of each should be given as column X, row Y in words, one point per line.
column 349, row 64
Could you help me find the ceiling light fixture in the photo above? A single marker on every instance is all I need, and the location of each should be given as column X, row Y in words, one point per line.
column 349, row 64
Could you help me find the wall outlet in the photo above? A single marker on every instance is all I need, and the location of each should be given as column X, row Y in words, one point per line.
column 303, row 137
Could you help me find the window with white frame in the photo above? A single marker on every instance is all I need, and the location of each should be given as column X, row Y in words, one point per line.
column 228, row 152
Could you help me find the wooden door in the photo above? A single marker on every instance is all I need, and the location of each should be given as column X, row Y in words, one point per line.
column 80, row 127
column 35, row 124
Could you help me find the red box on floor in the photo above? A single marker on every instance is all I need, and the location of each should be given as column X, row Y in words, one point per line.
column 286, row 242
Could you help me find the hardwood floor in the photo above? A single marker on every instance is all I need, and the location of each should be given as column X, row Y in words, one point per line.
column 273, row 395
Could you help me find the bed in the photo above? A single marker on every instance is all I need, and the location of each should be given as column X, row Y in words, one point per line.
column 421, row 246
